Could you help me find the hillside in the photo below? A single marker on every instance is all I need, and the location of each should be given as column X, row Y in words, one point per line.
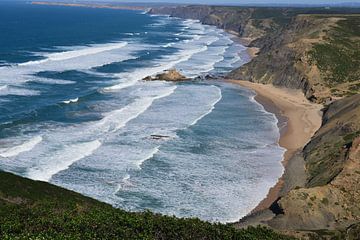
column 321, row 53
column 313, row 49
column 329, row 198
column 38, row 210
column 317, row 51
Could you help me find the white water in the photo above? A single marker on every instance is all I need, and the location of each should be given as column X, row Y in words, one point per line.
column 16, row 150
column 81, row 58
column 117, row 119
column 74, row 100
column 61, row 56
column 131, row 78
column 212, row 107
column 151, row 154
column 62, row 159
column 107, row 155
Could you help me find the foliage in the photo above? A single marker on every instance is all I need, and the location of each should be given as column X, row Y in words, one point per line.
column 37, row 210
column 338, row 58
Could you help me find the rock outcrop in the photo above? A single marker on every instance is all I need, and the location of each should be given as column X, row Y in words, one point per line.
column 171, row 75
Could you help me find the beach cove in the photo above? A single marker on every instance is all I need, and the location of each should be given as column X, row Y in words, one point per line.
column 298, row 118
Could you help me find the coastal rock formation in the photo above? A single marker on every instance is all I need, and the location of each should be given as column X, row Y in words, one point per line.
column 170, row 75
column 331, row 196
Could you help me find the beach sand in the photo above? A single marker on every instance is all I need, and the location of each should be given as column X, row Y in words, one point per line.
column 253, row 51
column 302, row 119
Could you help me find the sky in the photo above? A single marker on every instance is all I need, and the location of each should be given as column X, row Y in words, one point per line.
column 239, row 1
column 217, row 2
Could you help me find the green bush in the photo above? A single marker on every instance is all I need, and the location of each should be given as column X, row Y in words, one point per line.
column 37, row 210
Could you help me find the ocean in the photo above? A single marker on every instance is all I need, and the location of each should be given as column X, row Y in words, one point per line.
column 75, row 112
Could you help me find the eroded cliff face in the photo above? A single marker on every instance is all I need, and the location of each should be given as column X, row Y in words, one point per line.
column 314, row 53
column 311, row 52
column 320, row 54
column 331, row 196
column 248, row 23
column 283, row 59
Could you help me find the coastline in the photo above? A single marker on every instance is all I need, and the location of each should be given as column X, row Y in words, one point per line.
column 302, row 119
column 290, row 107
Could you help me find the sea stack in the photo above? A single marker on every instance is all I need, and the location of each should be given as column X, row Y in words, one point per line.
column 171, row 75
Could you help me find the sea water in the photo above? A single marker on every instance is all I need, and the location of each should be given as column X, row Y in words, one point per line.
column 75, row 112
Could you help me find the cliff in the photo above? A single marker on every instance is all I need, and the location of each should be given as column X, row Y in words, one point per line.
column 330, row 196
column 317, row 51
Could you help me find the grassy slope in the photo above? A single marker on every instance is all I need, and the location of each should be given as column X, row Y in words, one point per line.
column 38, row 210
column 331, row 196
column 320, row 49
column 338, row 57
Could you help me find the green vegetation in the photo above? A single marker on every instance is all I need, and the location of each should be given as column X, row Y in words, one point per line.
column 338, row 57
column 325, row 162
column 326, row 154
column 325, row 201
column 350, row 137
column 37, row 210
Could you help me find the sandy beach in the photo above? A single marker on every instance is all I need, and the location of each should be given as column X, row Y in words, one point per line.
column 302, row 119
column 253, row 51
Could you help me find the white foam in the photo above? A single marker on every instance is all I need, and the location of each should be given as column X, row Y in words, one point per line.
column 168, row 45
column 80, row 58
column 71, row 101
column 117, row 119
column 166, row 63
column 151, row 154
column 52, row 81
column 25, row 147
column 3, row 87
column 10, row 90
column 124, row 183
column 212, row 106
column 91, row 50
column 62, row 160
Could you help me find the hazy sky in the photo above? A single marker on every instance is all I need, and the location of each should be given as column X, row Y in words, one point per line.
column 240, row 1
column 216, row 2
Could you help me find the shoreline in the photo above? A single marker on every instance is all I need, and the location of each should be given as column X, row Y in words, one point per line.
column 290, row 107
column 301, row 117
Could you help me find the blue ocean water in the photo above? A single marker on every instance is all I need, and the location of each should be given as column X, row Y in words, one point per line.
column 75, row 112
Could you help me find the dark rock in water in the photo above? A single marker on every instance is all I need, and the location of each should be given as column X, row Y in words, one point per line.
column 169, row 75
column 206, row 77
column 148, row 78
column 159, row 137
